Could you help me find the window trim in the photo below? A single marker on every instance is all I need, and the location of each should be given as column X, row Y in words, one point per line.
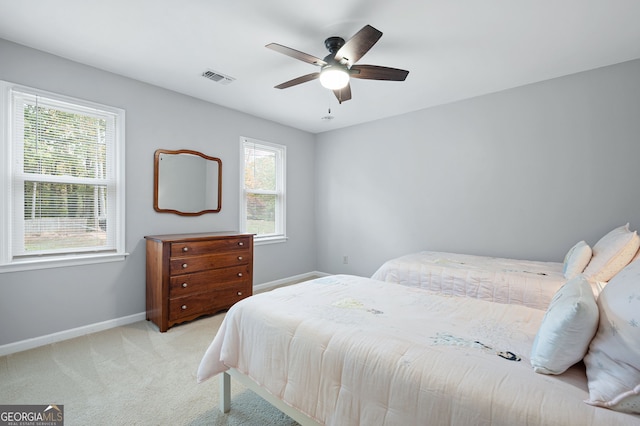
column 281, row 180
column 9, row 264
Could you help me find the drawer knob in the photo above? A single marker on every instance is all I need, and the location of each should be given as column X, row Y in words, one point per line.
column 185, row 248
column 184, row 285
column 239, row 257
column 240, row 243
column 239, row 293
column 183, row 307
column 239, row 274
column 184, row 265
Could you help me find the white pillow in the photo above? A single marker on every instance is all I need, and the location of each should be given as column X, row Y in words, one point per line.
column 576, row 260
column 613, row 360
column 611, row 253
column 567, row 328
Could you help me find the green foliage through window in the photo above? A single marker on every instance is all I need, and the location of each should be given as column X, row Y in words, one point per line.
column 263, row 188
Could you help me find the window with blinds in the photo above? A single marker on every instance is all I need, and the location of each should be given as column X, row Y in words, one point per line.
column 65, row 193
column 262, row 209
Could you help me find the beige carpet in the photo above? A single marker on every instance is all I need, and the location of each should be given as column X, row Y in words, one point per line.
column 131, row 375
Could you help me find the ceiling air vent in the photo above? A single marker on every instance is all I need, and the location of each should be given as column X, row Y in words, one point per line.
column 218, row 77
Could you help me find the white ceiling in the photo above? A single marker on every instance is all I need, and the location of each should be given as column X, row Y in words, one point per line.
column 453, row 49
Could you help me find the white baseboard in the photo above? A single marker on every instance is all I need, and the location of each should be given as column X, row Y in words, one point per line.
column 24, row 345
column 35, row 342
column 272, row 284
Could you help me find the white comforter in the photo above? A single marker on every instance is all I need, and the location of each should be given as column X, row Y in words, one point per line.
column 355, row 351
column 522, row 282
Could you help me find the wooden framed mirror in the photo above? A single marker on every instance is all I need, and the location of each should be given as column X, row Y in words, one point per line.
column 186, row 182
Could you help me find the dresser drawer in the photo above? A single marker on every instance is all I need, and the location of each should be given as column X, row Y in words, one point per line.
column 203, row 303
column 184, row 285
column 189, row 264
column 196, row 248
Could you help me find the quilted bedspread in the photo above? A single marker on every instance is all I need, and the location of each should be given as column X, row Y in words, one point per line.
column 523, row 282
column 349, row 350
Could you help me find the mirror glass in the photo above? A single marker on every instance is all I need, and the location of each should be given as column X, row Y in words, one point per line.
column 187, row 182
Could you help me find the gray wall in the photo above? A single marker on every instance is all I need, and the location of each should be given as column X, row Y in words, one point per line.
column 523, row 173
column 38, row 303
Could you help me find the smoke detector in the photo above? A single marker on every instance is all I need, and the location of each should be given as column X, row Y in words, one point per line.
column 327, row 117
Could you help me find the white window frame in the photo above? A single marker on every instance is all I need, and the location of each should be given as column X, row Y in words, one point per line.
column 281, row 206
column 11, row 263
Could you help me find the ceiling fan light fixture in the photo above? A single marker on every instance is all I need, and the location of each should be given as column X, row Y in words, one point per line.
column 341, row 62
column 334, row 78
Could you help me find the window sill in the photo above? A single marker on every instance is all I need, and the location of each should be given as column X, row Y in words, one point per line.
column 32, row 264
column 258, row 241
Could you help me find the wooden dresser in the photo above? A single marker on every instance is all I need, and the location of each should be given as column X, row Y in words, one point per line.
column 190, row 275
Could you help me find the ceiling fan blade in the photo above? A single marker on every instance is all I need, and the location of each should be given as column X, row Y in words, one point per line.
column 305, row 57
column 343, row 94
column 299, row 80
column 375, row 72
column 358, row 45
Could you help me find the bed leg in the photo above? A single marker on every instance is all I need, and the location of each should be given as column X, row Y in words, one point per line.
column 225, row 392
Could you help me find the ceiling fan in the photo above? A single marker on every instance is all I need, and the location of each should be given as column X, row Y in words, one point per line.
column 339, row 65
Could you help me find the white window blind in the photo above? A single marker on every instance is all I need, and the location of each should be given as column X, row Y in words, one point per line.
column 66, row 186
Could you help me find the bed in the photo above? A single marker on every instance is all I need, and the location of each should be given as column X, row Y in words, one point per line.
column 523, row 282
column 347, row 350
column 512, row 281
